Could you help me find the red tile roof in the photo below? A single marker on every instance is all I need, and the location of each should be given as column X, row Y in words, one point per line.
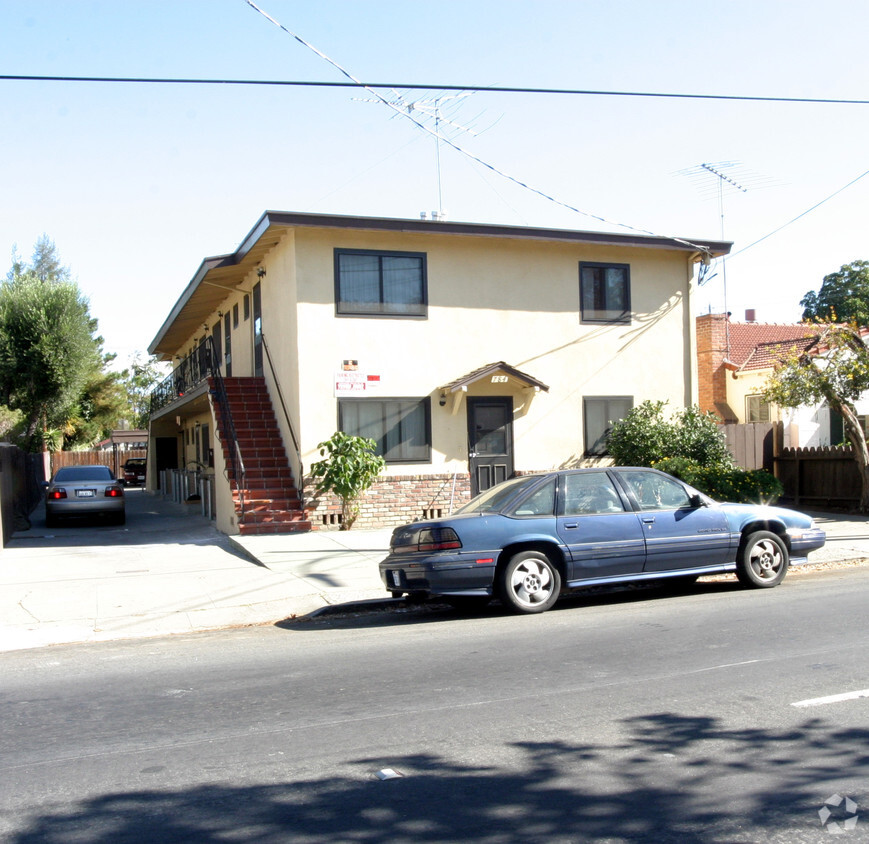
column 757, row 345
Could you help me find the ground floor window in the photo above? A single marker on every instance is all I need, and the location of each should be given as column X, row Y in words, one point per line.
column 756, row 409
column 599, row 413
column 400, row 427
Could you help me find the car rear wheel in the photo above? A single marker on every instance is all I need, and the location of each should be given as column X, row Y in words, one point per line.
column 762, row 560
column 530, row 582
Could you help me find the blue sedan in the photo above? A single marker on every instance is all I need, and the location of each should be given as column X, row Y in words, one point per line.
column 528, row 539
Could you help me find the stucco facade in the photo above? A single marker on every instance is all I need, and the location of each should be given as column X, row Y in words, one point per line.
column 490, row 295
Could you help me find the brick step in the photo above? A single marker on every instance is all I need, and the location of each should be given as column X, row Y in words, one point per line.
column 272, row 505
column 259, row 454
column 265, row 493
column 256, row 529
column 274, row 517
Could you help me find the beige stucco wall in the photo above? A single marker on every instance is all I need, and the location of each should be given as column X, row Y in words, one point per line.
column 489, row 300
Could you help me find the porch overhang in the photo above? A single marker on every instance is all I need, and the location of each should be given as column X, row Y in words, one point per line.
column 491, row 371
column 494, row 369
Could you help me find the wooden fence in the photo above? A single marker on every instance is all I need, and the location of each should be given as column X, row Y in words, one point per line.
column 812, row 477
column 113, row 459
column 820, row 477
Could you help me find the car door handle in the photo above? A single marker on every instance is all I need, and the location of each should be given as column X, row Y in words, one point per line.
column 572, row 525
column 648, row 520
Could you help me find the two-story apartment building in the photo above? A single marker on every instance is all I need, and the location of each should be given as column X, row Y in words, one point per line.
column 468, row 352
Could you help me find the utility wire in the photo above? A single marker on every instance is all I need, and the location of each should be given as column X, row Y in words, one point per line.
column 491, row 89
column 799, row 216
column 408, row 115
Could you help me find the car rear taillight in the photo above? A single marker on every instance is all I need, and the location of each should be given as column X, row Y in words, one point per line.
column 438, row 539
column 55, row 494
column 114, row 492
column 406, row 541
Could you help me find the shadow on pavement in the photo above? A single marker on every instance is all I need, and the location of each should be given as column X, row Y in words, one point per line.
column 394, row 613
column 658, row 781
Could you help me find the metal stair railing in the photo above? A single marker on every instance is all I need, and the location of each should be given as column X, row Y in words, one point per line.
column 300, row 479
column 218, row 394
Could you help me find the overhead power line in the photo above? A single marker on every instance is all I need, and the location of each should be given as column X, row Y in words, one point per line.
column 492, row 89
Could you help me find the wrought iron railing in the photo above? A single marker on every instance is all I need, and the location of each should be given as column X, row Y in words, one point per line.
column 189, row 374
column 301, row 475
column 218, row 395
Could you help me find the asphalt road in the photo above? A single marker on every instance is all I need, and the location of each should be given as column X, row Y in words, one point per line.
column 639, row 716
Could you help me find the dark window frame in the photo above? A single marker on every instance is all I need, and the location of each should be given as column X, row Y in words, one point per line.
column 342, row 309
column 235, row 315
column 625, row 315
column 587, row 441
column 424, row 402
column 246, row 306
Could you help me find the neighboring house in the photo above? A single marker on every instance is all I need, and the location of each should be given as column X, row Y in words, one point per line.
column 468, row 352
column 734, row 362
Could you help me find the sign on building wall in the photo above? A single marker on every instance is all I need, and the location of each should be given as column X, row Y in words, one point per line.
column 355, row 383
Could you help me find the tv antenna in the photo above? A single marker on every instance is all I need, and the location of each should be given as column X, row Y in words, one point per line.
column 436, row 112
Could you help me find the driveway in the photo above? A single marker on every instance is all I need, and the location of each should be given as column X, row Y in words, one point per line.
column 169, row 570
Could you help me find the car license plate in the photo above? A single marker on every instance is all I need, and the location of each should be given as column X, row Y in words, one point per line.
column 84, row 493
column 396, row 578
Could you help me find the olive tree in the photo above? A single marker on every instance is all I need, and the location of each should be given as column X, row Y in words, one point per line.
column 835, row 370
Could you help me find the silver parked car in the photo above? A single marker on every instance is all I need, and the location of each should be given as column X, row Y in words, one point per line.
column 84, row 491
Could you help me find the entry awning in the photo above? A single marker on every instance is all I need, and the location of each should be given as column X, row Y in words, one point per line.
column 493, row 369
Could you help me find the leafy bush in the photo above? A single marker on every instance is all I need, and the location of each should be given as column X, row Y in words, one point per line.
column 350, row 467
column 725, row 483
column 644, row 437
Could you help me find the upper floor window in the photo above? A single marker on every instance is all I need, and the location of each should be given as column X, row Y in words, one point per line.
column 599, row 413
column 400, row 427
column 369, row 283
column 605, row 292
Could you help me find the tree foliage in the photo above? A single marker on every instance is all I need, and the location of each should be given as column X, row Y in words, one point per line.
column 49, row 353
column 645, row 437
column 835, row 371
column 139, row 379
column 843, row 297
column 348, row 470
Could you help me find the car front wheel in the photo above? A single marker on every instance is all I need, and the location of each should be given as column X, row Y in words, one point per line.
column 530, row 582
column 762, row 560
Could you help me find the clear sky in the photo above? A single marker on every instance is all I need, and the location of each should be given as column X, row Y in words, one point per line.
column 136, row 184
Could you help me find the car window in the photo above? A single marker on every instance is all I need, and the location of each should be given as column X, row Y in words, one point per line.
column 657, row 492
column 541, row 502
column 496, row 497
column 83, row 473
column 589, row 493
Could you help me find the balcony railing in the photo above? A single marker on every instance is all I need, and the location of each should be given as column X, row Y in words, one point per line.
column 191, row 372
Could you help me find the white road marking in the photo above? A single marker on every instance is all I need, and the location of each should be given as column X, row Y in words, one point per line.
column 821, row 701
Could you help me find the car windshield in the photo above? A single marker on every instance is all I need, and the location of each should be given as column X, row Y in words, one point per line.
column 83, row 473
column 495, row 498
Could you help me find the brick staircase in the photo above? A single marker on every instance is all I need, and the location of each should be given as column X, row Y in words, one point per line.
column 271, row 499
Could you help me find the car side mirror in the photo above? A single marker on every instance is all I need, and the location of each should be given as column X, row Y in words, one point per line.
column 697, row 500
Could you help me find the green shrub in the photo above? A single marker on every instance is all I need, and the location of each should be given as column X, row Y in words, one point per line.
column 725, row 483
column 644, row 437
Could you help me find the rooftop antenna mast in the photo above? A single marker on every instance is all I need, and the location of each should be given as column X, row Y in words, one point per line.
column 432, row 109
column 725, row 178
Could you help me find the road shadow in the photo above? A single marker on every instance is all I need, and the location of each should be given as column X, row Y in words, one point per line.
column 668, row 777
column 403, row 612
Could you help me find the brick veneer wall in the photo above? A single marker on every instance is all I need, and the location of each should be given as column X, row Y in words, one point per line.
column 711, row 353
column 393, row 501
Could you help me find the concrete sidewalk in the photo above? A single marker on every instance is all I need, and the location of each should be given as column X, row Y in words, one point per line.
column 169, row 571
